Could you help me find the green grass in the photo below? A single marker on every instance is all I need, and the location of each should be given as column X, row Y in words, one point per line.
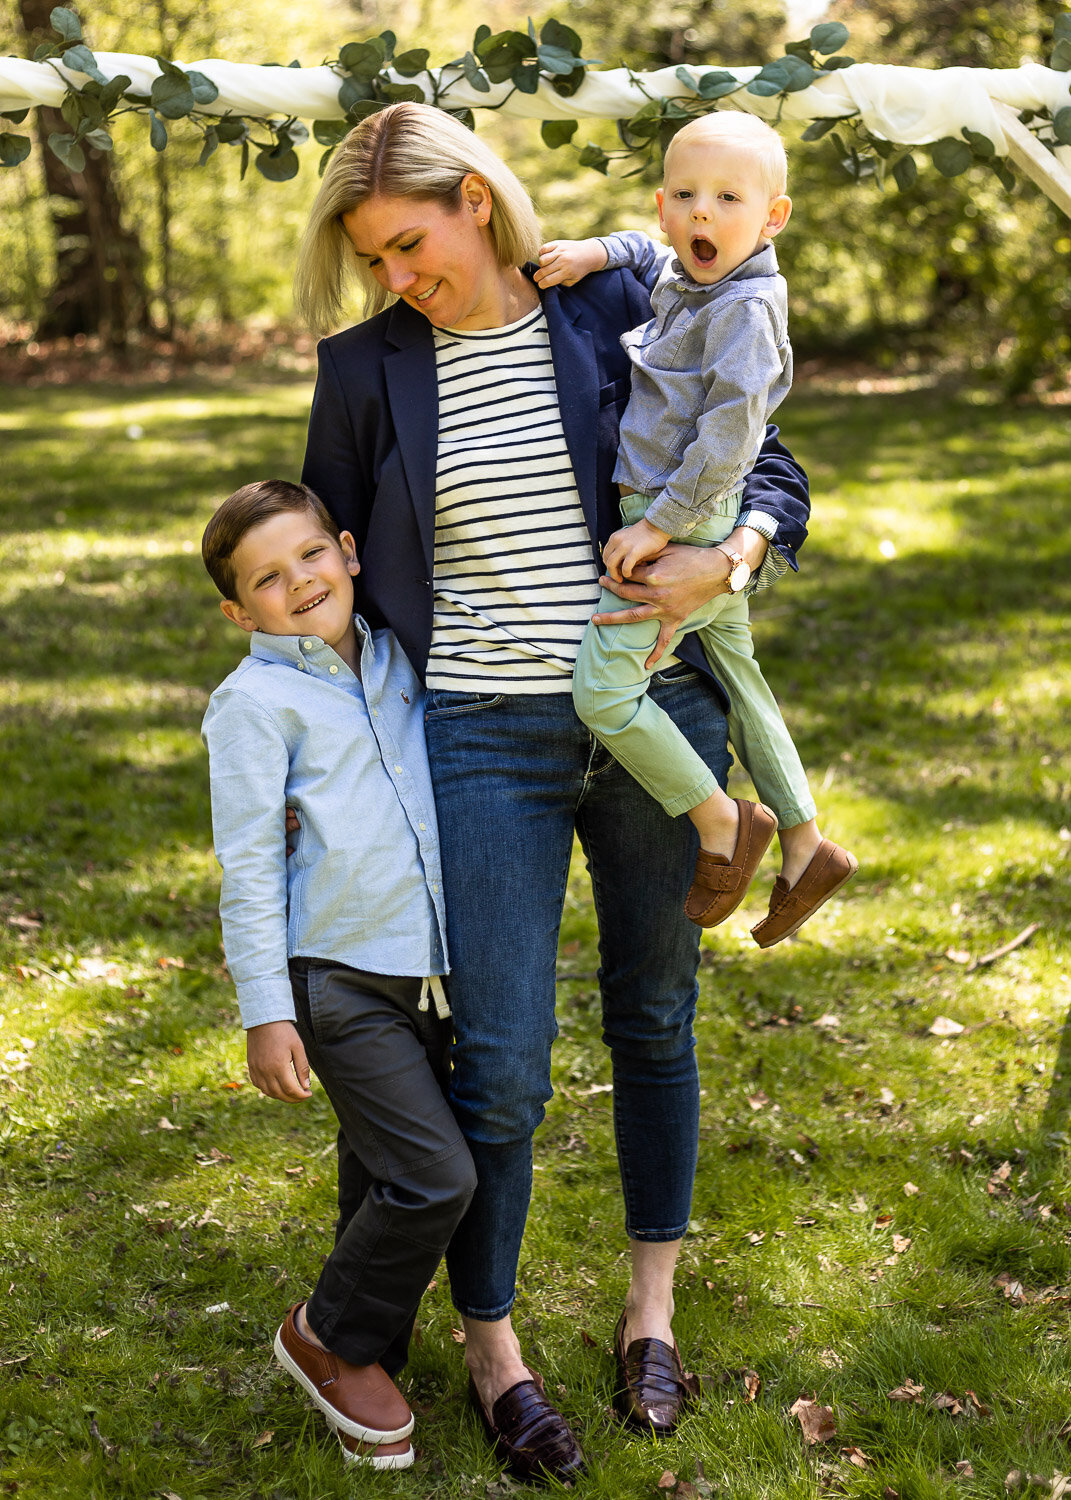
column 144, row 1183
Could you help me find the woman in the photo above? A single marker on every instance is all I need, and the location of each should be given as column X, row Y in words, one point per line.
column 466, row 437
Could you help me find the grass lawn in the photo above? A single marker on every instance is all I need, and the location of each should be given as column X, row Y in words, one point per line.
column 863, row 1182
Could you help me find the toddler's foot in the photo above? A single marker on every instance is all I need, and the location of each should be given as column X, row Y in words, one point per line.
column 720, row 884
column 791, row 905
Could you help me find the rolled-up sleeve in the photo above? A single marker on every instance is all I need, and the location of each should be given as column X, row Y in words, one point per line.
column 248, row 767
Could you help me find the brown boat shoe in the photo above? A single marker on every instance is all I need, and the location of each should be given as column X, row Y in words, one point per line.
column 361, row 1401
column 376, row 1455
column 790, row 906
column 719, row 884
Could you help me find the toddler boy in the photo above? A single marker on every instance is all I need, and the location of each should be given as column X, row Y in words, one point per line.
column 334, row 950
column 707, row 371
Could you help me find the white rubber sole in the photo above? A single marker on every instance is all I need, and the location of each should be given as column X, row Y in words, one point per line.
column 336, row 1418
column 378, row 1461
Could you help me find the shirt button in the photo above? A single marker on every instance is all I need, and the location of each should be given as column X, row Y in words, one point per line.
column 423, row 828
column 398, row 770
column 306, row 645
column 435, row 890
column 334, row 671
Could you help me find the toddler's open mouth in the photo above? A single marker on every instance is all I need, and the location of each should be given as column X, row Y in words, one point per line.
column 704, row 252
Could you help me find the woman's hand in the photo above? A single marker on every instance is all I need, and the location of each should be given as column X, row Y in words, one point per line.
column 565, row 262
column 677, row 583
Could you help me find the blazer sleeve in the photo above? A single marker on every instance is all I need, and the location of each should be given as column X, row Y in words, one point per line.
column 778, row 487
column 334, row 466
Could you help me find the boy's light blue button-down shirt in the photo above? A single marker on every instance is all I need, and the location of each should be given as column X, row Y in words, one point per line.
column 293, row 727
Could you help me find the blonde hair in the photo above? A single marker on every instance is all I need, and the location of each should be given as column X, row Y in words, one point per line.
column 403, row 151
column 733, row 125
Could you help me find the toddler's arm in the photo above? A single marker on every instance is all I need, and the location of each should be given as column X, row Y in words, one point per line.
column 277, row 1062
column 565, row 262
column 631, row 546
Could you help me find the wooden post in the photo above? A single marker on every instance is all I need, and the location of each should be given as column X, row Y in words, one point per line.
column 1032, row 158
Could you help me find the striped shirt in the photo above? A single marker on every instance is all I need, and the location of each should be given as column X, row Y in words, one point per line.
column 515, row 579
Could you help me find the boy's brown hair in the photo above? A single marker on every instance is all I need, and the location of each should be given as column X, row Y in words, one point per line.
column 247, row 508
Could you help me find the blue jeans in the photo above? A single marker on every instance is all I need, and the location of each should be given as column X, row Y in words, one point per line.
column 514, row 775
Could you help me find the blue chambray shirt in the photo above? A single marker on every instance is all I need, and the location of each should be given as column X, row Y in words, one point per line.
column 708, row 371
column 293, row 727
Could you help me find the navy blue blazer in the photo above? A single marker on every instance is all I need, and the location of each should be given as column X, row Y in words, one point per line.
column 373, row 438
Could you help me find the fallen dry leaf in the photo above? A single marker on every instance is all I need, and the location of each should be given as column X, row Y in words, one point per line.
column 815, row 1420
column 882, row 1220
column 965, row 1469
column 263, row 1440
column 163, row 1123
column 1061, row 1485
column 888, row 1493
column 945, row 1026
column 293, row 1171
column 458, row 1335
column 686, row 1491
column 855, row 1456
column 909, row 1391
column 668, row 1480
column 756, row 1237
column 1013, row 1290
column 947, row 1402
column 1013, row 1479
column 974, row 1407
column 752, row 1385
column 758, row 1100
column 958, row 955
column 910, row 1189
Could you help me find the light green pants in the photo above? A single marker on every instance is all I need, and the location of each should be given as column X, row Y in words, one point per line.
column 610, row 694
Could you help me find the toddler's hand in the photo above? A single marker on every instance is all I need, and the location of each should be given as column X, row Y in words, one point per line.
column 276, row 1061
column 565, row 262
column 631, row 546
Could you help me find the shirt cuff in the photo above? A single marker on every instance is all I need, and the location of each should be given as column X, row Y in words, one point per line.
column 774, row 566
column 263, row 1000
column 759, row 521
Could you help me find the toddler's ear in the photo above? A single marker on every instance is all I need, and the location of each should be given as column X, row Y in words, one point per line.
column 349, row 552
column 237, row 615
column 780, row 211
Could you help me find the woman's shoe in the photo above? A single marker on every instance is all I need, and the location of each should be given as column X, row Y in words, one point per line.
column 653, row 1390
column 530, row 1436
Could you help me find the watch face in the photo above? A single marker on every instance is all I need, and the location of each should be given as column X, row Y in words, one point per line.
column 739, row 577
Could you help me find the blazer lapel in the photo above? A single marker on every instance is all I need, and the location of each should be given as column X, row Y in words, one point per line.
column 576, row 374
column 413, row 394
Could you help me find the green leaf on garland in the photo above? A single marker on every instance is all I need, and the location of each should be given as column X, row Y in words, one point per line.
column 364, row 60
column 557, row 133
column 554, row 34
column 556, row 60
column 568, row 85
column 801, row 50
column 353, row 92
column 763, row 88
column 409, row 64
column 834, row 64
column 951, row 157
column 278, row 163
column 467, row 118
column 13, row 148
column 403, row 93
column 474, row 74
column 68, row 150
column 482, row 33
column 245, row 161
column 16, row 116
column 1004, row 173
column 330, row 132
column 525, row 78
column 1061, row 30
column 171, row 93
column 1061, row 57
column 203, row 89
column 230, row 131
column 324, row 159
column 1061, row 124
column 40, row 53
column 817, row 129
column 211, row 141
column 594, row 156
column 157, row 132
column 980, row 144
column 112, row 92
column 67, row 24
column 716, row 84
column 828, row 37
column 100, row 140
column 82, row 61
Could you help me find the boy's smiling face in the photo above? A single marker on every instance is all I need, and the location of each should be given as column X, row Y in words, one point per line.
column 293, row 578
column 715, row 206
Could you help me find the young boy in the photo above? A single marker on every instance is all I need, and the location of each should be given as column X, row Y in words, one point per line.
column 707, row 371
column 333, row 950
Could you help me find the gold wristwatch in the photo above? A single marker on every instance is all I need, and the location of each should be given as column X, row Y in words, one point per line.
column 739, row 570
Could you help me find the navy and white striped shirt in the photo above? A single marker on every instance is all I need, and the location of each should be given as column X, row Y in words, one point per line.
column 515, row 581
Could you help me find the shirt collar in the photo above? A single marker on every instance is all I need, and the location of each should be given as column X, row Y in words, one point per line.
column 762, row 263
column 309, row 652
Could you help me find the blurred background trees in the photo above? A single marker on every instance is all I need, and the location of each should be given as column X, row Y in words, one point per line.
column 954, row 270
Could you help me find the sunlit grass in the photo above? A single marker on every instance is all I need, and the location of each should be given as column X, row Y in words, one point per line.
column 143, row 1182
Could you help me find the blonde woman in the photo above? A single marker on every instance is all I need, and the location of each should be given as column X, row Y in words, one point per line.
column 466, row 434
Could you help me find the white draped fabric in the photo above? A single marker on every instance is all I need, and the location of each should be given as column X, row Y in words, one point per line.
column 910, row 106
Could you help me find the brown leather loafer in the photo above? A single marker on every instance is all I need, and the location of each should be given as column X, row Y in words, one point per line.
column 790, row 906
column 719, row 884
column 361, row 1401
column 530, row 1436
column 653, row 1389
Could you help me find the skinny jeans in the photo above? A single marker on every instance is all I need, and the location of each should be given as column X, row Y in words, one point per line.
column 514, row 776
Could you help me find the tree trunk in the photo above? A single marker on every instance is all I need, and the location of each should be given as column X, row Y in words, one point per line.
column 99, row 285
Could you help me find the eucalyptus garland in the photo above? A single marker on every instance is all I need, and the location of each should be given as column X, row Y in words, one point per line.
column 372, row 74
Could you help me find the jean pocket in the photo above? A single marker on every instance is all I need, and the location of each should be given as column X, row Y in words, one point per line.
column 439, row 703
column 681, row 671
